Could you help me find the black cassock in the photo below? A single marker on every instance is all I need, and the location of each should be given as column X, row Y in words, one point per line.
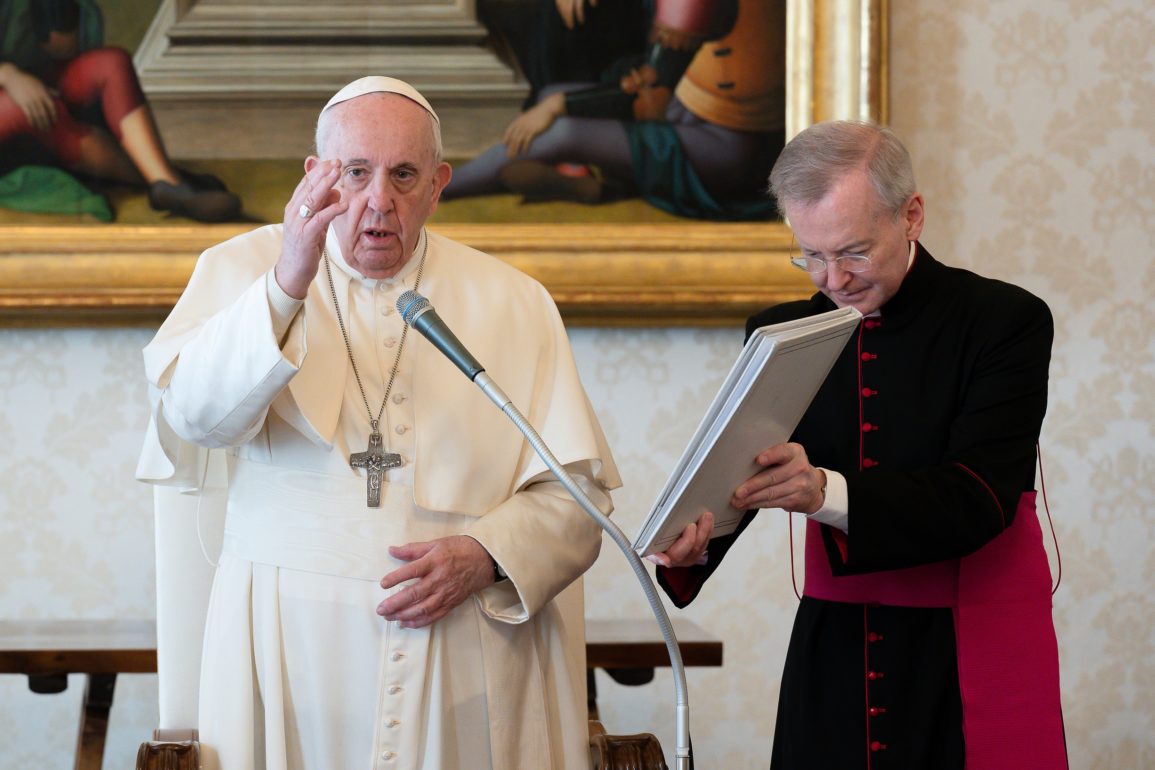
column 932, row 413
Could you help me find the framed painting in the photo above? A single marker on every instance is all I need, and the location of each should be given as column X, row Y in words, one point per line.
column 616, row 270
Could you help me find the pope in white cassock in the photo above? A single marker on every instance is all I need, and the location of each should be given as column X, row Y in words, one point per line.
column 399, row 585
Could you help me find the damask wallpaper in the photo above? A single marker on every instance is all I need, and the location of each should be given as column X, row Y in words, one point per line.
column 1032, row 127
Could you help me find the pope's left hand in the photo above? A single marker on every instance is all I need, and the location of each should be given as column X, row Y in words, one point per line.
column 446, row 572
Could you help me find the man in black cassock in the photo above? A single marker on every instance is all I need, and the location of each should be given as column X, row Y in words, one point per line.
column 924, row 638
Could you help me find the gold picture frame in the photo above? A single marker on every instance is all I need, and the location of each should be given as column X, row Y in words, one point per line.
column 692, row 273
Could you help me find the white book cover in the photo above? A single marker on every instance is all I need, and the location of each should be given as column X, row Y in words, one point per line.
column 759, row 404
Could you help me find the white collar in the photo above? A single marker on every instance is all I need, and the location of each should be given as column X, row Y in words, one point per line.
column 333, row 247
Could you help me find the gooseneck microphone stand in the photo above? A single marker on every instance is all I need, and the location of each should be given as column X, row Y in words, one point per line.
column 419, row 314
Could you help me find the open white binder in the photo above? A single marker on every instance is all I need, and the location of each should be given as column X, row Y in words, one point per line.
column 759, row 404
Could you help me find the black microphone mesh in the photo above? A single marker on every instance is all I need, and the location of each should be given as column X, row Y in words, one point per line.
column 409, row 304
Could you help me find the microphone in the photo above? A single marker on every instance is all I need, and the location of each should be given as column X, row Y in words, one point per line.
column 418, row 313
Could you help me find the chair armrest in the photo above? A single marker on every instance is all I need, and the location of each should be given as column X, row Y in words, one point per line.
column 170, row 750
column 624, row 752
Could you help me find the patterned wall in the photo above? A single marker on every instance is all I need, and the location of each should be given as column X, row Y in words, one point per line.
column 1032, row 126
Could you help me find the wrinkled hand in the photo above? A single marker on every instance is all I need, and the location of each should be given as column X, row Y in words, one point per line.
column 526, row 126
column 690, row 547
column 33, row 98
column 573, row 12
column 789, row 482
column 446, row 572
column 304, row 237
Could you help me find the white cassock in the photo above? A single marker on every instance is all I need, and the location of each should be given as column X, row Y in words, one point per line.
column 298, row 670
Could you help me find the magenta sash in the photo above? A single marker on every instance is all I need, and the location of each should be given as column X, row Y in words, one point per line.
column 1008, row 656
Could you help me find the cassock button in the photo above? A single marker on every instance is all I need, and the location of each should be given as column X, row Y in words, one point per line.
column 393, row 723
column 874, row 637
column 398, row 398
column 394, row 689
column 868, row 427
column 869, row 356
column 397, row 656
column 390, row 342
column 868, row 463
column 872, row 675
column 876, row 711
column 400, row 430
column 877, row 746
column 867, row 392
column 387, row 755
column 873, row 323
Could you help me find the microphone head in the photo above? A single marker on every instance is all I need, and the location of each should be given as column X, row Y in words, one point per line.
column 410, row 305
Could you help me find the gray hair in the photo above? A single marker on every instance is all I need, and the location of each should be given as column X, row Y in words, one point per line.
column 814, row 160
column 322, row 133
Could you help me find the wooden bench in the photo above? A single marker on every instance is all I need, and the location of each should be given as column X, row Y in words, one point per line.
column 47, row 651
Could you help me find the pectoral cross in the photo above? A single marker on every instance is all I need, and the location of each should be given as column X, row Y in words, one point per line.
column 376, row 460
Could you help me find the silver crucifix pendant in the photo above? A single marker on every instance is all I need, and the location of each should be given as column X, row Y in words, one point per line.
column 376, row 460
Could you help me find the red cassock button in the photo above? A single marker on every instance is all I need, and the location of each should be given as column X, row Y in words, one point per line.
column 877, row 746
column 873, row 637
column 875, row 711
column 869, row 356
column 872, row 675
column 868, row 463
column 867, row 392
column 868, row 427
column 872, row 323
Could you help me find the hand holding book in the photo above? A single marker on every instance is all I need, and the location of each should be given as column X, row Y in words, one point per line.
column 789, row 482
column 690, row 547
column 727, row 468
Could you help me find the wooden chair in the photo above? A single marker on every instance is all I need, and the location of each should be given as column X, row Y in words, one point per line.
column 183, row 583
column 180, row 750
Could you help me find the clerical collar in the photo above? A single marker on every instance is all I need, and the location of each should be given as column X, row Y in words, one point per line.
column 909, row 265
column 916, row 288
column 401, row 277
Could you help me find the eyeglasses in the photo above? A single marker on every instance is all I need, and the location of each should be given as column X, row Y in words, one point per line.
column 851, row 263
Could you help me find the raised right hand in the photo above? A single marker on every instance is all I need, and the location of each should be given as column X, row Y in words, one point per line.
column 304, row 237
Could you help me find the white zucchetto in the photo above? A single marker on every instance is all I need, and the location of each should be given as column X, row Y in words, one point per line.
column 372, row 84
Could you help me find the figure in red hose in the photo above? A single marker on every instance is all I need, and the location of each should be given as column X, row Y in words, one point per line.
column 64, row 97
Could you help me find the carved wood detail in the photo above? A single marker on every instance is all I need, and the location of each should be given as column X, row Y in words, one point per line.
column 624, row 752
column 170, row 750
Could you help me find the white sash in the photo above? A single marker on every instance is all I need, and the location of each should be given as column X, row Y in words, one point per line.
column 314, row 522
